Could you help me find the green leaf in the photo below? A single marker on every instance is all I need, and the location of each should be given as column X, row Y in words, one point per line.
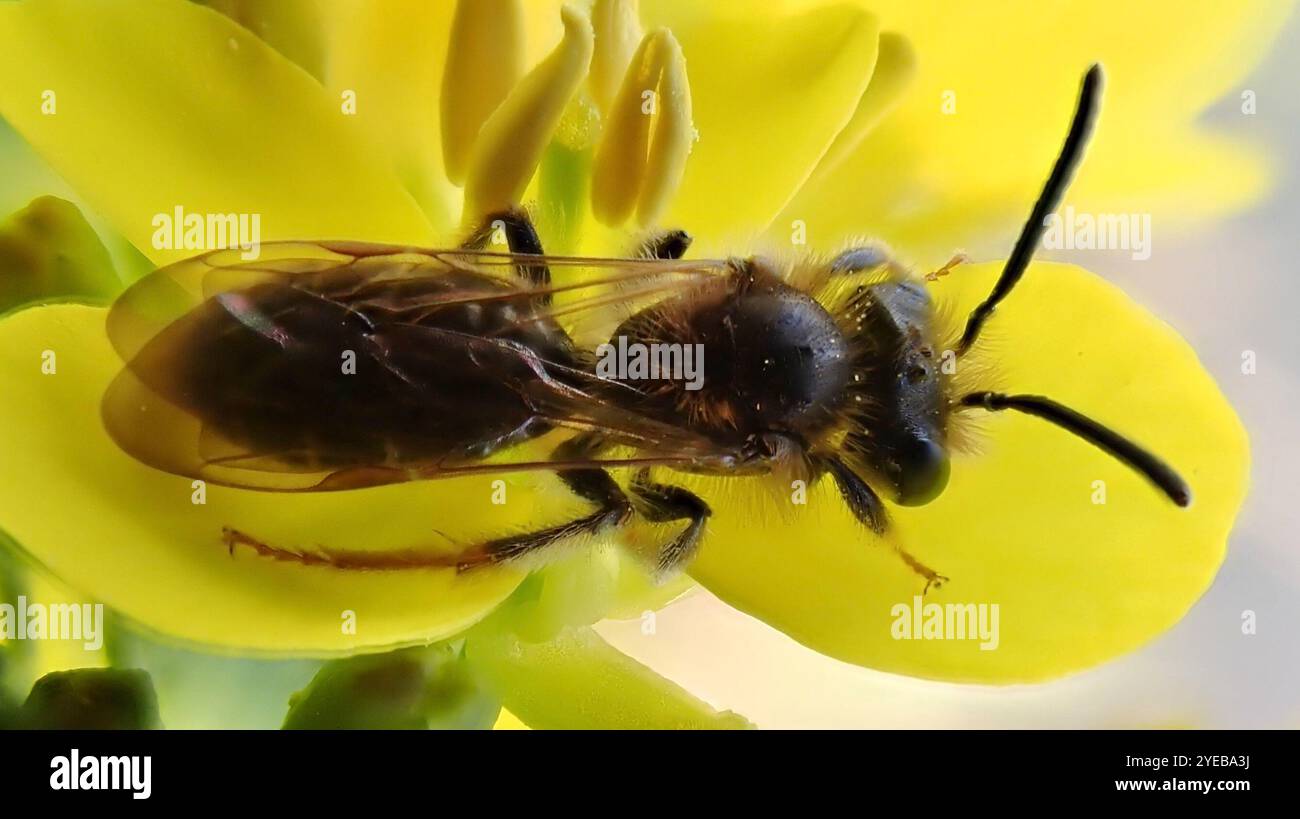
column 416, row 688
column 92, row 698
column 49, row 252
column 204, row 690
column 8, row 707
column 574, row 591
column 578, row 681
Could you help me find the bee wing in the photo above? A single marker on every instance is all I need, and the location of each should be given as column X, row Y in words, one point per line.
column 163, row 296
column 147, row 325
column 156, row 431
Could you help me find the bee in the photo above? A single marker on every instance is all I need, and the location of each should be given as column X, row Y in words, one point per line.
column 814, row 369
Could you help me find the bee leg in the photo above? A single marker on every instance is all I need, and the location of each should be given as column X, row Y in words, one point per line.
column 661, row 503
column 594, row 485
column 866, row 506
column 521, row 237
column 667, row 244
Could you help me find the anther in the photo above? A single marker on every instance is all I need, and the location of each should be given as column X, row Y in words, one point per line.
column 647, row 136
column 485, row 59
column 511, row 142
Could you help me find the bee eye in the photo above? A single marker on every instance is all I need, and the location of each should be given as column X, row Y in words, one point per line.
column 923, row 472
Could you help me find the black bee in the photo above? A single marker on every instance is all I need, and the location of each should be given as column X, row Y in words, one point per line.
column 237, row 374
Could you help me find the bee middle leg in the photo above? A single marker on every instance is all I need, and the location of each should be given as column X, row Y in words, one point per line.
column 866, row 506
column 521, row 238
column 661, row 503
column 666, row 244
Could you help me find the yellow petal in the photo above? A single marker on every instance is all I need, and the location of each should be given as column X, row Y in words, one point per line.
column 485, row 59
column 1076, row 582
column 292, row 27
column 387, row 61
column 578, row 681
column 894, row 71
column 963, row 155
column 136, row 539
column 769, row 94
column 163, row 103
column 507, row 721
column 510, row 144
column 25, row 174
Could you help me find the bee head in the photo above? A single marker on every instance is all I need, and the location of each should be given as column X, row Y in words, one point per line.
column 897, row 401
column 899, row 433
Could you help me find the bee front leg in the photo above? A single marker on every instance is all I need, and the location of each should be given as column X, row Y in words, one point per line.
column 866, row 506
column 661, row 503
column 958, row 258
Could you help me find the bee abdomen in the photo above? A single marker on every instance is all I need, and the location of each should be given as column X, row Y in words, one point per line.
column 382, row 375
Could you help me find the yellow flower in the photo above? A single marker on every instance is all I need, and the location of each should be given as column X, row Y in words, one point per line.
column 410, row 123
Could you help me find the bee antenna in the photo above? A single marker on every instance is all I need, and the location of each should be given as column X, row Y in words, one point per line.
column 1085, row 115
column 1152, row 468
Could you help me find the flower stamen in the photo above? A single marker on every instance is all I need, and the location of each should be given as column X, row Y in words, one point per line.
column 618, row 31
column 511, row 142
column 647, row 135
column 485, row 59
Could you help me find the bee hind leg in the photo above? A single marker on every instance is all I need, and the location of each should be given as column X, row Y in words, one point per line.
column 595, row 485
column 324, row 557
column 661, row 503
column 614, row 510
